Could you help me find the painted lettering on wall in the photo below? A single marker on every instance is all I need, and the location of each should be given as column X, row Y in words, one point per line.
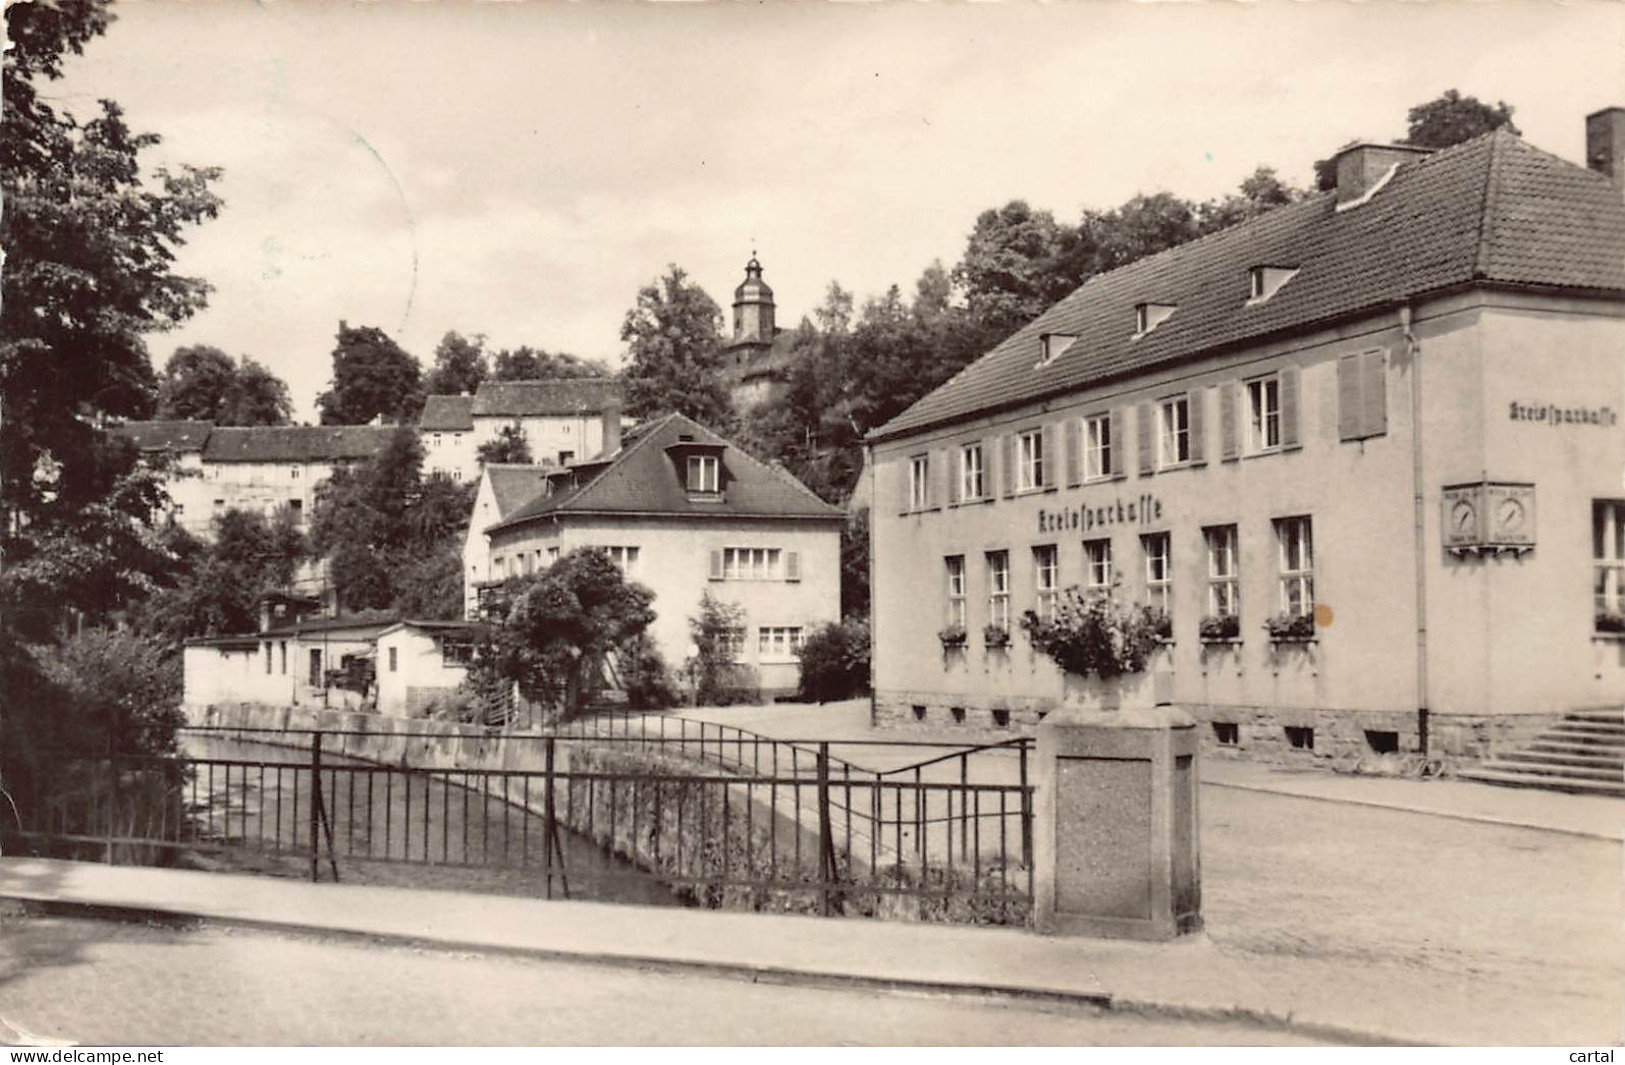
column 1138, row 511
column 1551, row 414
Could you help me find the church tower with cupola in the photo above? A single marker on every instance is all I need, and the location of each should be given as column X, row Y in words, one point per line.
column 753, row 307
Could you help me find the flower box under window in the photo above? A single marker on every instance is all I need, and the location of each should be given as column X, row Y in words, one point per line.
column 995, row 637
column 1611, row 621
column 1220, row 628
column 952, row 637
column 1291, row 628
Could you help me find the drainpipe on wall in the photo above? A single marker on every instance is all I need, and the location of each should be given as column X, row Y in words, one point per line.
column 1413, row 350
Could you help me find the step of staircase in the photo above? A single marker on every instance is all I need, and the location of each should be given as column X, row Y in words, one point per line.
column 1518, row 763
column 1487, row 775
column 1583, row 753
column 1538, row 752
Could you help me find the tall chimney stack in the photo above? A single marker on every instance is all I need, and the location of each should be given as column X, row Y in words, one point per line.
column 1361, row 165
column 1605, row 144
column 612, row 427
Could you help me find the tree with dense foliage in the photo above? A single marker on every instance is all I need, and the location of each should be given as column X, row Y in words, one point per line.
column 564, row 622
column 675, row 356
column 1017, row 262
column 717, row 633
column 384, row 529
column 372, row 376
column 1448, row 119
column 534, row 364
column 509, row 445
column 204, row 383
column 90, row 236
column 460, row 365
column 835, row 660
column 218, row 589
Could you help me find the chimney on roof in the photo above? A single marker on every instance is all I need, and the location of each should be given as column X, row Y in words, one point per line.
column 1362, row 167
column 612, row 427
column 1605, row 144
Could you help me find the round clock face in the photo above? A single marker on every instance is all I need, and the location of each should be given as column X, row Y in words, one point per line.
column 1509, row 515
column 1463, row 516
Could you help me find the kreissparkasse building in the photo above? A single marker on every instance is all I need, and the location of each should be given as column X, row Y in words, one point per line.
column 1365, row 449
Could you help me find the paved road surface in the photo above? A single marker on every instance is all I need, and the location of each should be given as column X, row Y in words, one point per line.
column 99, row 982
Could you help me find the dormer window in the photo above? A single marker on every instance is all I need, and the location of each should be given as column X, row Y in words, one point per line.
column 703, row 473
column 1051, row 345
column 1265, row 281
column 1147, row 316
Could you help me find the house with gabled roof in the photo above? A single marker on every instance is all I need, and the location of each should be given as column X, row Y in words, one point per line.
column 685, row 512
column 1363, row 453
column 563, row 421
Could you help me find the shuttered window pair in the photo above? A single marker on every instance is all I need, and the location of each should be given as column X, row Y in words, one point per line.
column 753, row 564
column 1173, row 432
column 1260, row 415
column 1362, row 395
column 1094, row 448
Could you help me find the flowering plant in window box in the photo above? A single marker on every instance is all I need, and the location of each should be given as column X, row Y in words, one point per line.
column 995, row 637
column 953, row 636
column 1218, row 627
column 1291, row 628
column 1611, row 621
column 1093, row 634
column 1163, row 624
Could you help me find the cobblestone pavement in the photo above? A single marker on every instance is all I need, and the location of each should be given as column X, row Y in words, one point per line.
column 88, row 981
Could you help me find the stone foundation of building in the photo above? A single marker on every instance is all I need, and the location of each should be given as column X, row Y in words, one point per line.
column 1302, row 736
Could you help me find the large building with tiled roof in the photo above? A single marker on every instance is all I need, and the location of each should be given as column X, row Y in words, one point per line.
column 1363, row 450
column 684, row 512
column 214, row 469
column 563, row 421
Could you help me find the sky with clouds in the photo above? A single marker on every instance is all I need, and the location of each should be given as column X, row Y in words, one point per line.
column 519, row 169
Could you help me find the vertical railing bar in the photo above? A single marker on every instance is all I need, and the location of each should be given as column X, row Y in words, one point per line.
column 1026, row 822
column 315, row 806
column 826, row 842
column 547, row 807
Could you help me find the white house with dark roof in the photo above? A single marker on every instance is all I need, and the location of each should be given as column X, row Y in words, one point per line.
column 503, row 488
column 684, row 512
column 1365, row 450
column 563, row 421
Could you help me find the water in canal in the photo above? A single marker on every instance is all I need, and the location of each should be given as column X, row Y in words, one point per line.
column 422, row 829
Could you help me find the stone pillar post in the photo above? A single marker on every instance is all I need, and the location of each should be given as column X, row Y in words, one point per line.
column 1115, row 831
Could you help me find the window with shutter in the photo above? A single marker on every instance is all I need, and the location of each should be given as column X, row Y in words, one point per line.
column 792, row 565
column 1073, row 430
column 1097, row 447
column 1007, row 464
column 1290, row 435
column 1148, row 459
column 716, row 565
column 1374, row 392
column 1118, row 455
column 1350, row 409
column 1198, row 426
column 1048, row 457
column 1229, row 449
column 945, row 474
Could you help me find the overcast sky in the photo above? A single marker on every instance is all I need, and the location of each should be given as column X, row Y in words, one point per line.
column 520, row 169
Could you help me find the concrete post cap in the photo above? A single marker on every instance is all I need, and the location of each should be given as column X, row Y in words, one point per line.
column 1147, row 717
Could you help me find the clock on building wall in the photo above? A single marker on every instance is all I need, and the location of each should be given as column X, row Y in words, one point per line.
column 1489, row 517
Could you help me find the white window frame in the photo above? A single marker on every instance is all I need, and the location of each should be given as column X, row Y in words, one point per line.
column 1158, row 549
column 703, row 472
column 1223, row 571
column 1264, row 414
column 998, row 589
column 1294, row 539
column 1030, row 460
column 778, row 643
column 752, row 564
column 1097, row 565
column 1174, row 431
column 1046, row 579
column 957, row 612
column 971, row 482
column 1608, row 555
column 919, row 482
column 1097, row 447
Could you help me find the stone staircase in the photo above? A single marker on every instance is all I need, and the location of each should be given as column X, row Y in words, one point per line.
column 1583, row 753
